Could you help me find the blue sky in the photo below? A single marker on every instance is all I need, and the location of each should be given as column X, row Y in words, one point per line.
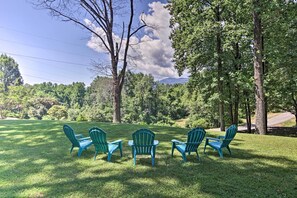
column 48, row 49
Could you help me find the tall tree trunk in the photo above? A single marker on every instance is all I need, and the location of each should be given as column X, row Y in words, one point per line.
column 236, row 109
column 229, row 85
column 258, row 71
column 265, row 72
column 116, row 105
column 236, row 86
column 295, row 107
column 248, row 116
column 248, row 112
column 116, row 93
column 220, row 71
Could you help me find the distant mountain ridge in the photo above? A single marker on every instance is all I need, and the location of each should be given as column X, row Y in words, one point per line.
column 172, row 81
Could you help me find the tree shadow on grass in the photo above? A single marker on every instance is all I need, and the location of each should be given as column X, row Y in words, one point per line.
column 45, row 168
column 256, row 175
column 279, row 131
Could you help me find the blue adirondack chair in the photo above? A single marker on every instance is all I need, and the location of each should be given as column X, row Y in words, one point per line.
column 144, row 143
column 195, row 137
column 222, row 141
column 98, row 137
column 77, row 140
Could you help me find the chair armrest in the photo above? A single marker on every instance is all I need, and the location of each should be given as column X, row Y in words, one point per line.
column 116, row 142
column 156, row 142
column 177, row 141
column 79, row 136
column 86, row 138
column 221, row 137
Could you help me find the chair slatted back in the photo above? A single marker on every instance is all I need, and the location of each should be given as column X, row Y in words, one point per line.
column 143, row 140
column 230, row 134
column 98, row 137
column 71, row 135
column 195, row 137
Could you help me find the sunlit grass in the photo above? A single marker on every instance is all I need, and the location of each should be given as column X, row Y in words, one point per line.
column 35, row 162
column 181, row 122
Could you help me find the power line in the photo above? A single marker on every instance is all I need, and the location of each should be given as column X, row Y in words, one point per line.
column 43, row 37
column 19, row 43
column 45, row 59
column 42, row 78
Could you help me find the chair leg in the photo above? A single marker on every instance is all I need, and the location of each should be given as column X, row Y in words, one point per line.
column 134, row 160
column 80, row 151
column 71, row 149
column 184, row 157
column 109, row 156
column 197, row 155
column 220, row 153
column 229, row 149
column 172, row 149
column 205, row 147
column 153, row 160
column 153, row 155
column 95, row 155
column 121, row 152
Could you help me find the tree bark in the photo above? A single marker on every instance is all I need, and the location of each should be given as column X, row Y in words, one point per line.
column 248, row 112
column 295, row 107
column 265, row 71
column 248, row 116
column 231, row 103
column 116, row 102
column 236, row 86
column 258, row 71
column 220, row 71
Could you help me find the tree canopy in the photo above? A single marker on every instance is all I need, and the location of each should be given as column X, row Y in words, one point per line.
column 9, row 72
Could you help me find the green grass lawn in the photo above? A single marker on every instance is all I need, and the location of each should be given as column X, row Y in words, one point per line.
column 35, row 162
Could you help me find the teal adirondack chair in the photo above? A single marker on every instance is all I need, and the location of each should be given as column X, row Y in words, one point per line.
column 195, row 137
column 222, row 141
column 77, row 140
column 144, row 143
column 98, row 137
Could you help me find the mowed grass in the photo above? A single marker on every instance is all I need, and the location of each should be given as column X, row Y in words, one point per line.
column 35, row 162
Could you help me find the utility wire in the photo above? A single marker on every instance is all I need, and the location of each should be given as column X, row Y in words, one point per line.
column 19, row 43
column 46, row 79
column 46, row 59
column 50, row 66
column 43, row 37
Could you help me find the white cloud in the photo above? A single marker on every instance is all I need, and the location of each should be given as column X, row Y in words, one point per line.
column 153, row 53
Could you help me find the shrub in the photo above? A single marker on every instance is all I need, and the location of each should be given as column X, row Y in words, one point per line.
column 57, row 112
column 73, row 114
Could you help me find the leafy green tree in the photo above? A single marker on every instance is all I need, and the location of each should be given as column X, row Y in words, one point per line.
column 281, row 56
column 139, row 99
column 38, row 106
column 9, row 72
column 98, row 100
column 57, row 112
column 19, row 97
column 198, row 33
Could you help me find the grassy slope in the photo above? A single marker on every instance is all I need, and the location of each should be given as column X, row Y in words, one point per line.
column 35, row 162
